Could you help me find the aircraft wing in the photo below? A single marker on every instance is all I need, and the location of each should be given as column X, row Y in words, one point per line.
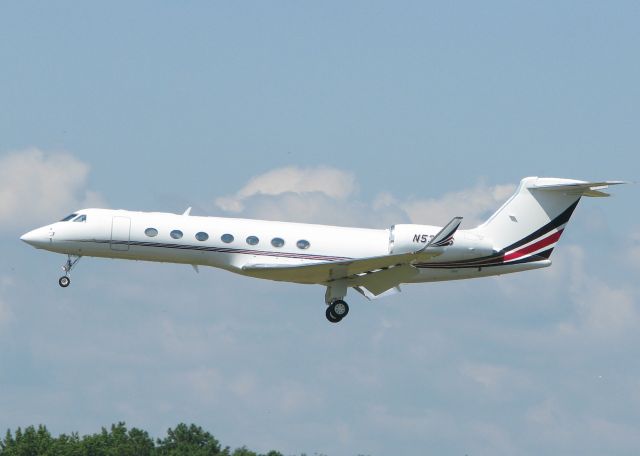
column 327, row 271
column 378, row 274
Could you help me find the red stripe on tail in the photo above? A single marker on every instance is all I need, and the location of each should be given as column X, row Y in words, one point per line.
column 533, row 247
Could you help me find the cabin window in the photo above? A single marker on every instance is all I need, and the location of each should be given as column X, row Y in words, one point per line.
column 202, row 236
column 252, row 240
column 303, row 244
column 151, row 232
column 277, row 242
column 69, row 217
column 176, row 234
column 227, row 238
column 81, row 218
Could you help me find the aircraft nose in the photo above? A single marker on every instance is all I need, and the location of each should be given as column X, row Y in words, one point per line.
column 36, row 238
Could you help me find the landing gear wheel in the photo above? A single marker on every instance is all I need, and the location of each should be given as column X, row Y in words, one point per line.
column 339, row 308
column 64, row 281
column 331, row 317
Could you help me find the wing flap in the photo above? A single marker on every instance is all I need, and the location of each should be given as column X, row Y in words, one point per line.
column 379, row 282
column 370, row 296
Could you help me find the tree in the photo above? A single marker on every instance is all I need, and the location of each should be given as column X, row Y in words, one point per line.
column 118, row 442
column 30, row 442
column 189, row 441
column 243, row 451
column 66, row 445
column 184, row 440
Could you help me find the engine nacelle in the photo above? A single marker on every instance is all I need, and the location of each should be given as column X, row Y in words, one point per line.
column 405, row 238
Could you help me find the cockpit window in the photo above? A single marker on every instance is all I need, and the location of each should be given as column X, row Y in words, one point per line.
column 69, row 217
column 81, row 218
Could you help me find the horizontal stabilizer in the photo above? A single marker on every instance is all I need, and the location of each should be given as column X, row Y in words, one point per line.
column 582, row 188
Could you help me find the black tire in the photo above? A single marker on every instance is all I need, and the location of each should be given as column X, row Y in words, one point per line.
column 64, row 281
column 339, row 308
column 331, row 317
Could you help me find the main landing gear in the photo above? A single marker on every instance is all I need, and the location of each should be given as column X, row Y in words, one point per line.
column 337, row 310
column 65, row 280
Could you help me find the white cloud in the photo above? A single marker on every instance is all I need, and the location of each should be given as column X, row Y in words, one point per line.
column 606, row 309
column 39, row 186
column 601, row 307
column 331, row 182
column 474, row 204
column 326, row 195
column 597, row 305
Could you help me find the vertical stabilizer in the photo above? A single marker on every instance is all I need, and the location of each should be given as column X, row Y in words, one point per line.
column 533, row 219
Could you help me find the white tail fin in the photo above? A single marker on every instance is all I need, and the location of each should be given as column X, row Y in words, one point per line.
column 532, row 220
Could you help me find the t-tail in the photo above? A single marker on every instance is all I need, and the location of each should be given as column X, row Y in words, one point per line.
column 528, row 226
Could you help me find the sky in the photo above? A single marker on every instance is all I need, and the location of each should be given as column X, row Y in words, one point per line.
column 348, row 113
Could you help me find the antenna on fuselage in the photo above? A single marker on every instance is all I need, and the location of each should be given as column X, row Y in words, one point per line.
column 188, row 211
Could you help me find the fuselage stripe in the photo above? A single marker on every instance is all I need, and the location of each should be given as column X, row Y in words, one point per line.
column 498, row 262
column 302, row 256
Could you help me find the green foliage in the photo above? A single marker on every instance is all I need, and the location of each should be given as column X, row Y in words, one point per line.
column 183, row 440
column 118, row 442
column 243, row 452
column 189, row 440
column 30, row 442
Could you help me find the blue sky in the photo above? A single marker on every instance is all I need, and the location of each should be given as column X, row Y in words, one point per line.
column 359, row 113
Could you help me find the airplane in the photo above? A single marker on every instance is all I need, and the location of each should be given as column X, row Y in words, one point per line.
column 519, row 236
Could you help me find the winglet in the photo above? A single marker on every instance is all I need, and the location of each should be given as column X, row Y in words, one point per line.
column 444, row 236
column 188, row 211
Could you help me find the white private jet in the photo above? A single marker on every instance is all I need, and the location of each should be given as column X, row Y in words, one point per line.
column 520, row 236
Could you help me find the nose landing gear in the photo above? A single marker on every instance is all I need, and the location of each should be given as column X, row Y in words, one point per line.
column 65, row 281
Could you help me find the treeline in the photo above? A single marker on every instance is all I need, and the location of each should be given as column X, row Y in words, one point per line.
column 183, row 440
